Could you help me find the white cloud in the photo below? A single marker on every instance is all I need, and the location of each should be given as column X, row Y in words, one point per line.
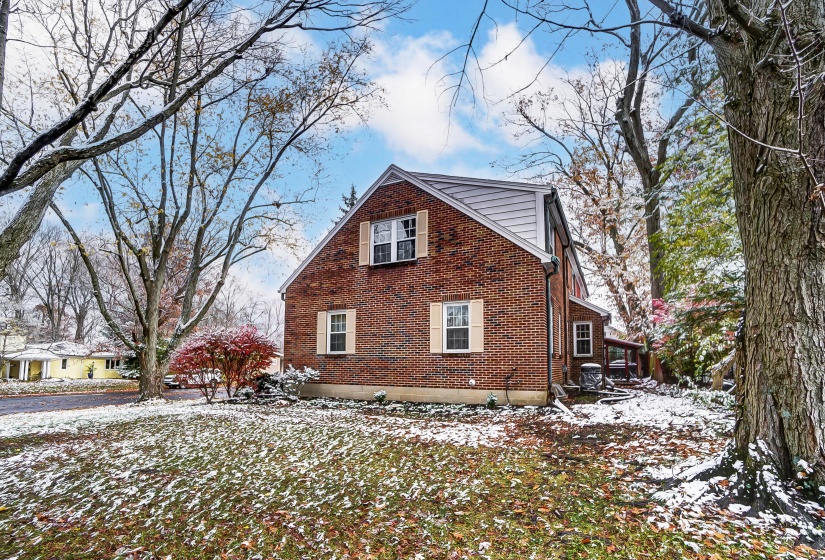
column 416, row 121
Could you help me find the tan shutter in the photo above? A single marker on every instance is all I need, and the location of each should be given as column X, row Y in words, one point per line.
column 350, row 348
column 321, row 342
column 477, row 325
column 436, row 336
column 421, row 225
column 364, row 244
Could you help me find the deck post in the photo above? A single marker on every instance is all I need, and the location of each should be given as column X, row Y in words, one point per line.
column 626, row 366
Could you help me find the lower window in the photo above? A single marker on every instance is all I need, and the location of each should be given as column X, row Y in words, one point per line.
column 112, row 364
column 583, row 339
column 457, row 327
column 337, row 332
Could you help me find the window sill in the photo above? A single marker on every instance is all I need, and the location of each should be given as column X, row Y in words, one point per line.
column 396, row 263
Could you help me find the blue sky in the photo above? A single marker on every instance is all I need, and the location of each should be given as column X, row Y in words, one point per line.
column 417, row 130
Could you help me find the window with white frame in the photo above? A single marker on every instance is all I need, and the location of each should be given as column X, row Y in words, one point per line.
column 112, row 364
column 393, row 240
column 583, row 338
column 457, row 327
column 64, row 364
column 337, row 332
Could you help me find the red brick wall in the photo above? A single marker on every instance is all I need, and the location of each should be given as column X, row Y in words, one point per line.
column 580, row 313
column 559, row 328
column 392, row 303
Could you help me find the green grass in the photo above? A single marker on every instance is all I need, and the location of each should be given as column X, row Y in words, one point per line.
column 300, row 482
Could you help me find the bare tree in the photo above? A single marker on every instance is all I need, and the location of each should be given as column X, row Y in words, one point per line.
column 128, row 62
column 648, row 59
column 237, row 306
column 578, row 150
column 771, row 57
column 195, row 198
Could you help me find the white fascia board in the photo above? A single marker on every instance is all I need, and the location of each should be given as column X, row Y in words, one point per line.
column 540, row 221
column 591, row 306
column 456, row 180
column 412, row 179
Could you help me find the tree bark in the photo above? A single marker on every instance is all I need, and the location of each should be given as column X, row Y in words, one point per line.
column 781, row 378
column 5, row 9
column 28, row 218
column 80, row 324
column 152, row 369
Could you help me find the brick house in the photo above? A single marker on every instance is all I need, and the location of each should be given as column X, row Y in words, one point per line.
column 435, row 288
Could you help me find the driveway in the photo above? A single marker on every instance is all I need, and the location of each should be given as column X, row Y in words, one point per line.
column 14, row 405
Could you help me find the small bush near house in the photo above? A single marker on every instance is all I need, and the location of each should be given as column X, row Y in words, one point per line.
column 240, row 355
column 287, row 383
column 197, row 363
column 492, row 401
column 380, row 396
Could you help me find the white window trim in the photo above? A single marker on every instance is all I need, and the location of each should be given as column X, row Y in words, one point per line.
column 330, row 333
column 111, row 362
column 576, row 339
column 393, row 240
column 444, row 307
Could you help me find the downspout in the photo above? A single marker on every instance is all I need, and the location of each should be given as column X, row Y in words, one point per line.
column 549, row 304
column 549, row 322
column 566, row 315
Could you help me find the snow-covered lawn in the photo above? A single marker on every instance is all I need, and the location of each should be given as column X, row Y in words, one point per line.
column 325, row 479
column 53, row 386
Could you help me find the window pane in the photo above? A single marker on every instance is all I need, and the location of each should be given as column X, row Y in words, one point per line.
column 406, row 250
column 406, row 229
column 458, row 339
column 382, row 232
column 458, row 315
column 583, row 346
column 338, row 342
column 338, row 323
column 381, row 253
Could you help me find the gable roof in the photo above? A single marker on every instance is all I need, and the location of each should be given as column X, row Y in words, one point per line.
column 592, row 306
column 436, row 186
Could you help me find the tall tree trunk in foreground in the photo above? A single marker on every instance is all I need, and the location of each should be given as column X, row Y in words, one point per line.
column 780, row 214
column 5, row 9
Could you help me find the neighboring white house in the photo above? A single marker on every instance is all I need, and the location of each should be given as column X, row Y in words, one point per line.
column 277, row 364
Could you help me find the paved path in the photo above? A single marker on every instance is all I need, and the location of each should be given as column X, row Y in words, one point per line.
column 14, row 405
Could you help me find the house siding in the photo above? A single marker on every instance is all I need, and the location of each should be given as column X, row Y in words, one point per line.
column 466, row 260
column 514, row 210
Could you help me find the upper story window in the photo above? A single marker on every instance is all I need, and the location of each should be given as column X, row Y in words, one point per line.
column 337, row 342
column 457, row 327
column 112, row 364
column 583, row 339
column 393, row 240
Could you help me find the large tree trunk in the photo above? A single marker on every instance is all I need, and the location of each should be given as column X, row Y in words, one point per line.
column 152, row 369
column 782, row 373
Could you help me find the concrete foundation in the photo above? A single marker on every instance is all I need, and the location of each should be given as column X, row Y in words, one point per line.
column 422, row 394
